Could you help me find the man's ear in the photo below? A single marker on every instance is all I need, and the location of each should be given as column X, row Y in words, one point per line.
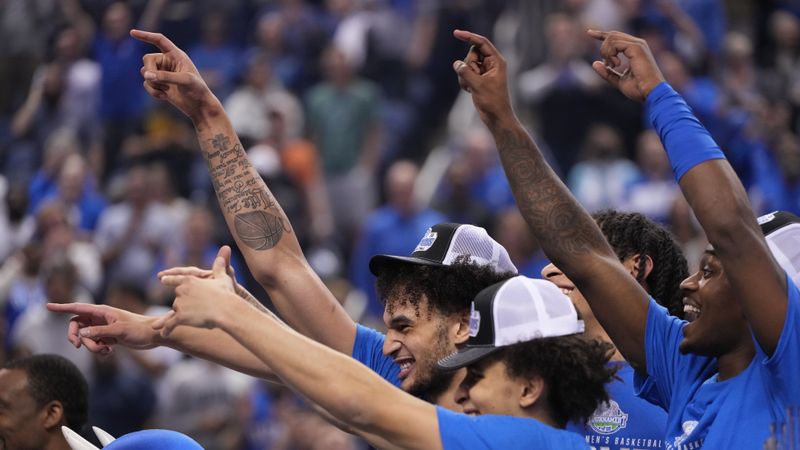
column 532, row 391
column 633, row 264
column 461, row 330
column 52, row 415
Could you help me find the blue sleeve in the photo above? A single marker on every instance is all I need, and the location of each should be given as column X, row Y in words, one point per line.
column 368, row 349
column 685, row 139
column 459, row 431
column 663, row 335
column 784, row 364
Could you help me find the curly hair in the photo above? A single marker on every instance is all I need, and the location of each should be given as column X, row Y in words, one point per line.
column 448, row 289
column 53, row 377
column 634, row 234
column 574, row 369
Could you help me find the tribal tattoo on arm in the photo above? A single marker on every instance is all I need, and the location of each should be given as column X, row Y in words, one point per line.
column 564, row 229
column 257, row 218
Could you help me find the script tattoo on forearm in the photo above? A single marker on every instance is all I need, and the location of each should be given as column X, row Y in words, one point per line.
column 563, row 228
column 258, row 220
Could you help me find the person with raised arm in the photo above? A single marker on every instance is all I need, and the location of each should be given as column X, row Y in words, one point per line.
column 728, row 376
column 426, row 319
column 526, row 357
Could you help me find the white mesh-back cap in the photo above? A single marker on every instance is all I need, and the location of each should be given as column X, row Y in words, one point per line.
column 517, row 310
column 447, row 243
column 475, row 243
column 782, row 232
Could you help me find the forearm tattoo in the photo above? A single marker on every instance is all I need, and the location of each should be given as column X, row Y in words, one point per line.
column 258, row 221
column 560, row 223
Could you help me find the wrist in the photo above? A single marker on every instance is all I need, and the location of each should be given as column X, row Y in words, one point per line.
column 207, row 113
column 230, row 312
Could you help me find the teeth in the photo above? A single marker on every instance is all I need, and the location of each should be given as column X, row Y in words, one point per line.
column 565, row 291
column 405, row 365
column 691, row 309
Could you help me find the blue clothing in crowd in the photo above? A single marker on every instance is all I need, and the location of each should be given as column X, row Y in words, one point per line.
column 704, row 411
column 627, row 421
column 387, row 232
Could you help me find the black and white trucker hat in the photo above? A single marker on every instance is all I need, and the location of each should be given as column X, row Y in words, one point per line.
column 782, row 231
column 519, row 309
column 444, row 243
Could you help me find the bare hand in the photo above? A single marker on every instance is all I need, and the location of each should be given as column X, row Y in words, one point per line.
column 174, row 276
column 100, row 327
column 643, row 74
column 483, row 74
column 171, row 76
column 199, row 302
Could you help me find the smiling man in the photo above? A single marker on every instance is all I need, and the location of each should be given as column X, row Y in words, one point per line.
column 730, row 375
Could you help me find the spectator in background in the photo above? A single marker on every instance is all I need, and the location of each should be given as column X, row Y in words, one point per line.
column 16, row 227
column 512, row 233
column 38, row 331
column 600, row 179
column 122, row 102
column 342, row 121
column 44, row 184
column 21, row 287
column 248, row 106
column 393, row 229
column 653, row 192
column 133, row 234
column 77, row 191
column 215, row 56
column 62, row 238
column 558, row 90
column 201, row 399
column 40, row 394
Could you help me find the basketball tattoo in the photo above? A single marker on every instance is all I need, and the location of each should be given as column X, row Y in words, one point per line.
column 257, row 218
column 258, row 230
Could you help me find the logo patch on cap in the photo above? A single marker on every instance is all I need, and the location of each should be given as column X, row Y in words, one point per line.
column 474, row 321
column 427, row 241
column 765, row 218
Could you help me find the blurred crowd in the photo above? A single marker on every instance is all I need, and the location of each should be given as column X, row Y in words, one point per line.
column 349, row 109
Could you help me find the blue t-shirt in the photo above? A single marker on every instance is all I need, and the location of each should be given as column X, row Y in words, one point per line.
column 368, row 349
column 703, row 411
column 459, row 431
column 626, row 421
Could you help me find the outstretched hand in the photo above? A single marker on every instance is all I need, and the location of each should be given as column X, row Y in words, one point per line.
column 100, row 327
column 641, row 77
column 199, row 302
column 170, row 75
column 483, row 74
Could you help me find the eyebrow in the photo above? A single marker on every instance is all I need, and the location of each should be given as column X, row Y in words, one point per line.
column 399, row 321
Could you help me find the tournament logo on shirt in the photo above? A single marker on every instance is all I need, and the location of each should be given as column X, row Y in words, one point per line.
column 427, row 241
column 608, row 418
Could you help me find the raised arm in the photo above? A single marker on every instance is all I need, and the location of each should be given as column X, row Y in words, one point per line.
column 709, row 184
column 353, row 394
column 256, row 220
column 569, row 236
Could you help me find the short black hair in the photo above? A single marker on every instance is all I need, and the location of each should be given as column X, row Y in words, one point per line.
column 574, row 368
column 632, row 234
column 55, row 378
column 449, row 289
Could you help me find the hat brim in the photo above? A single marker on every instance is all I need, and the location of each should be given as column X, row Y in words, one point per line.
column 465, row 357
column 379, row 262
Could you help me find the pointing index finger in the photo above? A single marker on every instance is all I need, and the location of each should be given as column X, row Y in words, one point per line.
column 157, row 39
column 480, row 43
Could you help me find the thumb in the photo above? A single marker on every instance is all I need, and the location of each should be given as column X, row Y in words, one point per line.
column 225, row 252
column 167, row 77
column 606, row 74
column 220, row 267
column 466, row 76
column 113, row 330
